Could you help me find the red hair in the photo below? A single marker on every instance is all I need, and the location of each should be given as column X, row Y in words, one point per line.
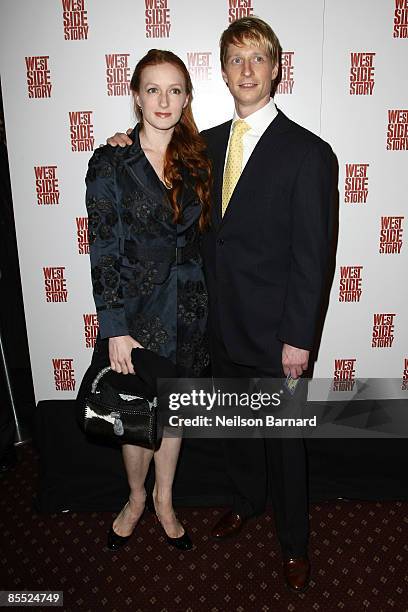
column 186, row 148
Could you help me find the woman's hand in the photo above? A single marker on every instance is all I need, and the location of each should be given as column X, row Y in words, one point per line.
column 120, row 353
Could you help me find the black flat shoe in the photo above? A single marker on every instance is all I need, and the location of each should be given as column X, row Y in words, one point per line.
column 115, row 541
column 183, row 542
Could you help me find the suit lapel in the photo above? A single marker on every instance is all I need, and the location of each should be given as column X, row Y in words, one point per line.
column 143, row 174
column 140, row 169
column 219, row 153
column 264, row 147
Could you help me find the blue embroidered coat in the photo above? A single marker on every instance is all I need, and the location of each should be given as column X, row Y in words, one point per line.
column 137, row 291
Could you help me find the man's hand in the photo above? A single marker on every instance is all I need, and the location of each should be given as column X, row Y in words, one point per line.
column 294, row 360
column 120, row 139
column 120, row 353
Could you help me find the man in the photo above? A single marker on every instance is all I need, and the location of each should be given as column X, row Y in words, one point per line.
column 265, row 260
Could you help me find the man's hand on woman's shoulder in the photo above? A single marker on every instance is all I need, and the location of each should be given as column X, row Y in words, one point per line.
column 120, row 139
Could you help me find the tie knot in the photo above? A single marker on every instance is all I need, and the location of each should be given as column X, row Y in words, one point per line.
column 239, row 127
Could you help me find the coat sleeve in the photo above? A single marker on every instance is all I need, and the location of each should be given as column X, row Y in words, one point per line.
column 310, row 244
column 105, row 235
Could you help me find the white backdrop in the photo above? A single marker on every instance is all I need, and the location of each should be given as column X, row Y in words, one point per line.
column 64, row 67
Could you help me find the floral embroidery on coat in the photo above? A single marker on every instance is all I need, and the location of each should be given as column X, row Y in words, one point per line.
column 161, row 304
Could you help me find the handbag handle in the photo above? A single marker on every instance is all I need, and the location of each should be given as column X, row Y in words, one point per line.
column 98, row 378
column 101, row 374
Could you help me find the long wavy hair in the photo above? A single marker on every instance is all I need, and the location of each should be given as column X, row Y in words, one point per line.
column 186, row 148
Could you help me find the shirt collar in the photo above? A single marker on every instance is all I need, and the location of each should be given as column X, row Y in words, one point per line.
column 260, row 119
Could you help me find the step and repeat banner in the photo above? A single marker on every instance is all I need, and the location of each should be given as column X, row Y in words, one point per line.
column 65, row 72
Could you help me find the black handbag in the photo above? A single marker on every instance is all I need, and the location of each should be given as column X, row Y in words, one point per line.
column 120, row 416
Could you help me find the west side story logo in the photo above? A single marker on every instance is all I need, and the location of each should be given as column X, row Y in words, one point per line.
column 75, row 19
column 401, row 19
column 38, row 76
column 344, row 374
column 362, row 74
column 55, row 284
column 199, row 65
column 82, row 235
column 46, row 185
column 391, row 235
column 356, row 184
column 64, row 374
column 81, row 129
column 350, row 283
column 287, row 66
column 157, row 18
column 383, row 330
column 91, row 327
column 117, row 74
column 397, row 132
column 239, row 8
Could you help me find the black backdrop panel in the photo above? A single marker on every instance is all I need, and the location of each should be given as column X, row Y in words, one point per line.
column 79, row 475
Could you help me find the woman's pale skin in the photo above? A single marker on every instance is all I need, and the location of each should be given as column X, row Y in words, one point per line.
column 161, row 98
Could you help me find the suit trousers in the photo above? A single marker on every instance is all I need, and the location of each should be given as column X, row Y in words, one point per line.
column 258, row 465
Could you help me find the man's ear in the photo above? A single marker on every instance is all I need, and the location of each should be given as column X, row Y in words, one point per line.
column 224, row 76
column 275, row 71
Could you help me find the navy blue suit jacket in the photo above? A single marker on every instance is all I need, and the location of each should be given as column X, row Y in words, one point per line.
column 266, row 259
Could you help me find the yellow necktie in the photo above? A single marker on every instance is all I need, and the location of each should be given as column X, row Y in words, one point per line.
column 233, row 166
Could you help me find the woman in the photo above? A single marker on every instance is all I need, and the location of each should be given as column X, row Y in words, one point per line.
column 147, row 204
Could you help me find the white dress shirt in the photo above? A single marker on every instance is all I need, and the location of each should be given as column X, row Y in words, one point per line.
column 258, row 121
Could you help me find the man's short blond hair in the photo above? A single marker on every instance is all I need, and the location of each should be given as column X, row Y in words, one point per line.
column 250, row 30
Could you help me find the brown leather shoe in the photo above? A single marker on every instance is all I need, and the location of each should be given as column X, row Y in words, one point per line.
column 230, row 524
column 297, row 573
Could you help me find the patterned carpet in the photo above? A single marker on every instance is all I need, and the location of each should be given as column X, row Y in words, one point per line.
column 359, row 553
